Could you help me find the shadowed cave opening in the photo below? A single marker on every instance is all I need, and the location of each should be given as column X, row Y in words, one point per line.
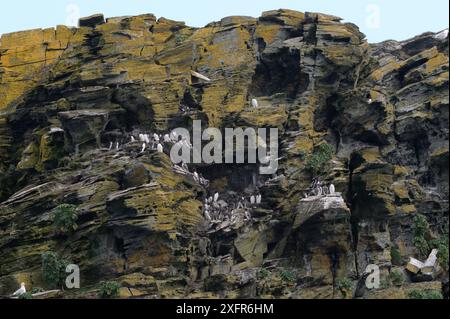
column 279, row 72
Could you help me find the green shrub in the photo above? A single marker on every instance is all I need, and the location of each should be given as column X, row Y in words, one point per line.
column 443, row 251
column 422, row 246
column 396, row 258
column 421, row 228
column 425, row 294
column 385, row 283
column 441, row 245
column 421, row 225
column 37, row 290
column 263, row 273
column 344, row 285
column 288, row 276
column 26, row 295
column 109, row 289
column 53, row 269
column 319, row 158
column 65, row 218
column 396, row 278
column 180, row 38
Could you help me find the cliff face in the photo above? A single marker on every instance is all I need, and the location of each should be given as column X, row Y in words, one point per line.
column 66, row 94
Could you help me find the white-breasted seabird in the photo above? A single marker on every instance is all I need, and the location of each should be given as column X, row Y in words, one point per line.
column 144, row 146
column 196, row 177
column 110, row 145
column 259, row 199
column 252, row 199
column 141, row 137
column 216, row 197
column 133, row 139
column 207, row 215
column 21, row 290
column 156, row 137
column 332, row 189
column 160, row 148
column 117, row 146
column 255, row 103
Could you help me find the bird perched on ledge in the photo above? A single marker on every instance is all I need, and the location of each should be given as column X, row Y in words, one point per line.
column 144, row 146
column 21, row 290
column 332, row 189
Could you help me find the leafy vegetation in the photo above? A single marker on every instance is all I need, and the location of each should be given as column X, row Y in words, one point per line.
column 109, row 289
column 65, row 218
column 421, row 228
column 180, row 38
column 396, row 278
column 425, row 294
column 441, row 245
column 396, row 258
column 424, row 246
column 288, row 276
column 385, row 283
column 37, row 290
column 263, row 273
column 53, row 269
column 27, row 295
column 344, row 285
column 319, row 158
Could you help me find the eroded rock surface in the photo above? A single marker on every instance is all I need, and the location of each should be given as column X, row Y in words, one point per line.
column 67, row 94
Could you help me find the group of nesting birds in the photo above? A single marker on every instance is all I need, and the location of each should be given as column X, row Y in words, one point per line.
column 215, row 210
column 319, row 189
column 153, row 141
column 218, row 210
column 148, row 142
column 184, row 170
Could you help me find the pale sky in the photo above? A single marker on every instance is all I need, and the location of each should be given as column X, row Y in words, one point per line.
column 379, row 19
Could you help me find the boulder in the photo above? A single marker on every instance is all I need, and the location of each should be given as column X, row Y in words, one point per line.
column 66, row 93
column 431, row 263
column 91, row 21
column 327, row 206
column 414, row 266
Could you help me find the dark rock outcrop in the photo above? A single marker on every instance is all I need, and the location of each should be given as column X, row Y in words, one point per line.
column 67, row 94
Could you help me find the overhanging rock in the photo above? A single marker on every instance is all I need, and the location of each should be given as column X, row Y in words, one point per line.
column 92, row 21
column 329, row 206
